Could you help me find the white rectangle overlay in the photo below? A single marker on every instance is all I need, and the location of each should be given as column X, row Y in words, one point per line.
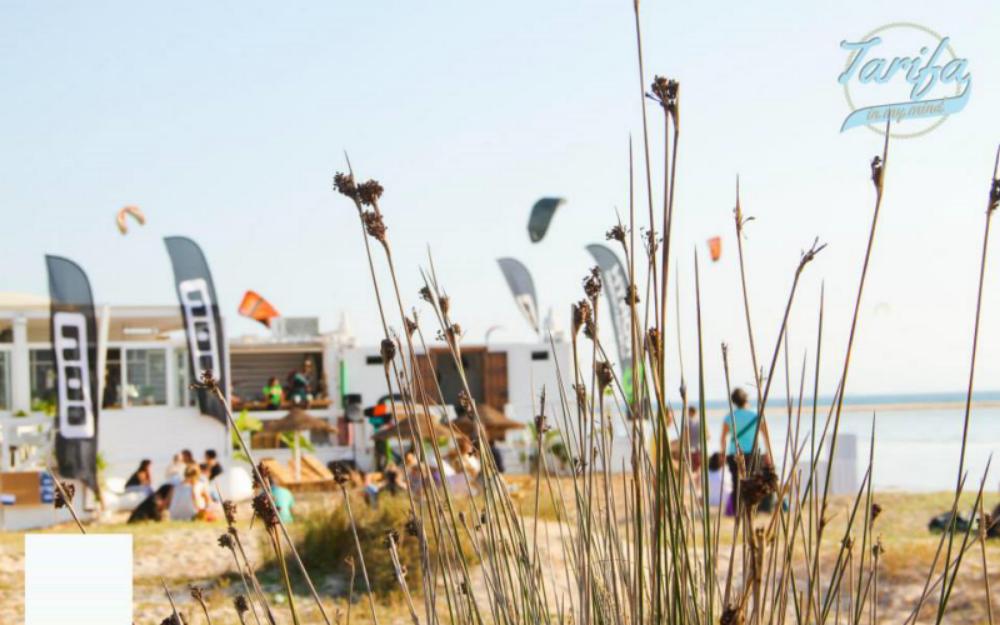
column 78, row 579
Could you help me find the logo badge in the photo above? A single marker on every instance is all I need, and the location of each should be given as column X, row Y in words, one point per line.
column 906, row 72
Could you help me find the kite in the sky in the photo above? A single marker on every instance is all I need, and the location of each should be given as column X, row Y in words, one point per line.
column 522, row 287
column 257, row 308
column 715, row 248
column 541, row 217
column 124, row 213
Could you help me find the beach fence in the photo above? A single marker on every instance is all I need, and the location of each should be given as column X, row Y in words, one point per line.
column 844, row 479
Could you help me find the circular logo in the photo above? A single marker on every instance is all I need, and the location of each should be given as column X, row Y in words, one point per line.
column 906, row 73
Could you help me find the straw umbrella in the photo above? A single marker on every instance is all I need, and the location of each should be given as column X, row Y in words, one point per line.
column 496, row 423
column 297, row 420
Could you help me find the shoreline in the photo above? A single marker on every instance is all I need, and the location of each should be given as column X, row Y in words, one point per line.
column 876, row 407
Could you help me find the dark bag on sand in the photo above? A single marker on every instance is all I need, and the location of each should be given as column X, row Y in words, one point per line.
column 942, row 522
column 993, row 531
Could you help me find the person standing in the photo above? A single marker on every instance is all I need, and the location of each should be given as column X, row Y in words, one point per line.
column 739, row 429
column 694, row 437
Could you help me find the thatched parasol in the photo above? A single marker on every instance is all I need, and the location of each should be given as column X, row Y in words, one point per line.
column 297, row 420
column 406, row 431
column 495, row 423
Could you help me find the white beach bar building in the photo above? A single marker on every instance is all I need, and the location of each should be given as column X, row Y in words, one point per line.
column 148, row 411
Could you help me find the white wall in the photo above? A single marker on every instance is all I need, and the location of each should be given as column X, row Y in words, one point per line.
column 525, row 377
column 128, row 435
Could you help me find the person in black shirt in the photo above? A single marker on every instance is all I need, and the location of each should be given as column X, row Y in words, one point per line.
column 142, row 479
column 211, row 466
column 153, row 506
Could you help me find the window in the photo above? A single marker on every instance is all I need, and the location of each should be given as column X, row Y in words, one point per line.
column 4, row 380
column 43, row 380
column 184, row 395
column 146, row 376
column 112, row 379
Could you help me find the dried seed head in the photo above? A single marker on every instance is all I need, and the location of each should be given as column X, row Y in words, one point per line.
column 581, row 315
column 995, row 194
column 758, row 486
column 262, row 508
column 541, row 424
column 374, row 225
column 412, row 526
column 604, row 375
column 666, row 93
column 652, row 243
column 631, row 295
column 196, row 593
column 581, row 395
column 369, row 193
column 344, row 184
column 411, row 326
column 229, row 510
column 391, row 539
column 465, row 402
column 241, row 604
column 174, row 620
column 388, row 351
column 653, row 344
column 878, row 167
column 732, row 615
column 226, row 541
column 617, row 233
column 590, row 329
column 340, row 474
column 810, row 254
column 592, row 283
column 444, row 303
column 425, row 294
column 453, row 334
column 265, row 475
column 61, row 501
column 876, row 510
column 877, row 548
column 206, row 382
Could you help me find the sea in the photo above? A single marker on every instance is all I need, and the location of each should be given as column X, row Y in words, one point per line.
column 917, row 437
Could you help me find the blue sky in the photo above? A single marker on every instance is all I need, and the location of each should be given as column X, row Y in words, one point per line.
column 226, row 121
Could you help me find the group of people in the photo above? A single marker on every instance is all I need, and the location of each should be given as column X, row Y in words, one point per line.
column 739, row 431
column 185, row 493
column 298, row 388
column 460, row 468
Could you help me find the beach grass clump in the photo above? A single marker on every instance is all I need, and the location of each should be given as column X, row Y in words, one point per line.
column 328, row 542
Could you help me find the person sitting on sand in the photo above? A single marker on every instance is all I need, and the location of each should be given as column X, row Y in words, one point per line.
column 142, row 480
column 175, row 470
column 154, row 506
column 283, row 501
column 190, row 500
column 211, row 466
column 392, row 479
column 465, row 459
column 745, row 423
